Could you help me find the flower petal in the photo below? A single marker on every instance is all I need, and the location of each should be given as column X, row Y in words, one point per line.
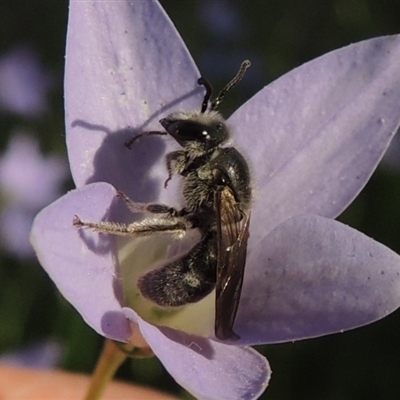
column 126, row 67
column 315, row 276
column 208, row 370
column 82, row 263
column 316, row 135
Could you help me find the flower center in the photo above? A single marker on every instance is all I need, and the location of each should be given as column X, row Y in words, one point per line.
column 140, row 255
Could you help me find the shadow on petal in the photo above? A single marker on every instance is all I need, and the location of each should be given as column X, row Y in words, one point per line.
column 126, row 169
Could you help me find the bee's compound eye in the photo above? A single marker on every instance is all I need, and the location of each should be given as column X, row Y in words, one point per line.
column 186, row 131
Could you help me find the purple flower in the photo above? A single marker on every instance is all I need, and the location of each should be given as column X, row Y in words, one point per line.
column 28, row 182
column 313, row 137
column 24, row 83
column 43, row 355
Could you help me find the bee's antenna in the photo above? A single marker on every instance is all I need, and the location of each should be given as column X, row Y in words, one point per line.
column 238, row 77
column 209, row 89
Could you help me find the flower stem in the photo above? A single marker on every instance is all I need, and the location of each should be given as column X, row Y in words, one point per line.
column 110, row 359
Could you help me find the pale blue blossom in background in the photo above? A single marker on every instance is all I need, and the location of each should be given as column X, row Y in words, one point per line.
column 24, row 83
column 226, row 27
column 29, row 180
column 43, row 355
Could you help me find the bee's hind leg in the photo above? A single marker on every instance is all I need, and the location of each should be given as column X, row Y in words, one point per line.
column 177, row 227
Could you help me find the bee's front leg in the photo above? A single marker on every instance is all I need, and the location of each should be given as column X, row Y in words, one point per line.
column 176, row 162
column 152, row 208
column 130, row 142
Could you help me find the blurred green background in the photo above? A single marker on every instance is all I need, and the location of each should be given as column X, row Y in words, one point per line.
column 276, row 36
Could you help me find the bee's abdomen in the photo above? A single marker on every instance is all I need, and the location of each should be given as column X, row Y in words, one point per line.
column 186, row 280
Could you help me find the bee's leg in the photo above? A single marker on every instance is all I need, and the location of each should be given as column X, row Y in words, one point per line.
column 130, row 142
column 152, row 208
column 176, row 227
column 176, row 164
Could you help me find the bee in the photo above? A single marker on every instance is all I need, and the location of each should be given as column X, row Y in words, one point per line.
column 217, row 195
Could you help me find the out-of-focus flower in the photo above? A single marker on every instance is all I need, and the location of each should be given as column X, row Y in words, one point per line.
column 24, row 83
column 226, row 26
column 45, row 355
column 222, row 18
column 28, row 182
column 314, row 137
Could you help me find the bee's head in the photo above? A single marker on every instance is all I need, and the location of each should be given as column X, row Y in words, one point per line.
column 203, row 130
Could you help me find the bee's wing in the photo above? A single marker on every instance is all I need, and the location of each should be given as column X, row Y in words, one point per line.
column 232, row 245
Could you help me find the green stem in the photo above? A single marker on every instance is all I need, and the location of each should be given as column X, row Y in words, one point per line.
column 110, row 360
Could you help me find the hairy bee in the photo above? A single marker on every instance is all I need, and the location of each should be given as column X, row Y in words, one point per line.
column 217, row 199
